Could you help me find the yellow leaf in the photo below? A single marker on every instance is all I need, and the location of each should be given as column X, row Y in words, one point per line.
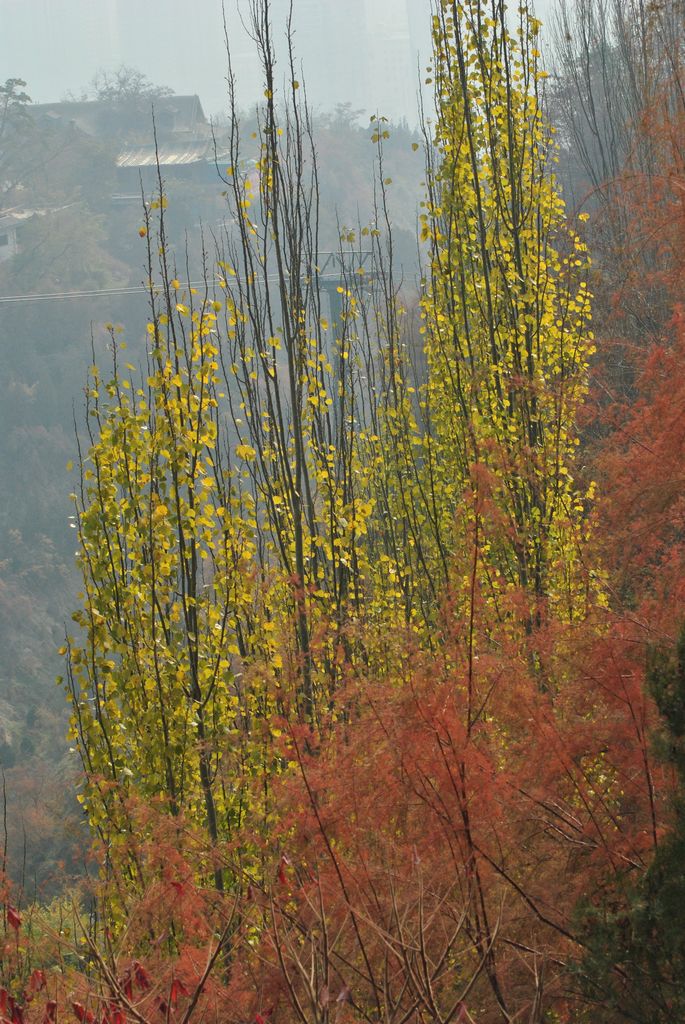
column 245, row 451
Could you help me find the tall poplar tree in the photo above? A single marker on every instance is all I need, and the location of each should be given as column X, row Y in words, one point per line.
column 278, row 501
column 506, row 312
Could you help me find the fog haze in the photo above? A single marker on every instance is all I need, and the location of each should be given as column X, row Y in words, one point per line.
column 362, row 52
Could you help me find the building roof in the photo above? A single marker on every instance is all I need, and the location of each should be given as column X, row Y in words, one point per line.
column 190, row 152
column 103, row 118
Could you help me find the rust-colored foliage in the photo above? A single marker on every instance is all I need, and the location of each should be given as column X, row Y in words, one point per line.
column 457, row 819
column 644, row 511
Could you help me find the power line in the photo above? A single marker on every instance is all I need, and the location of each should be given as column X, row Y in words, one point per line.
column 138, row 289
column 91, row 293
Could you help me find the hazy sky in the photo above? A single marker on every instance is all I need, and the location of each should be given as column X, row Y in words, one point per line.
column 351, row 49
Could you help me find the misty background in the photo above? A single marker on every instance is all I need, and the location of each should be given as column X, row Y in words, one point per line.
column 363, row 52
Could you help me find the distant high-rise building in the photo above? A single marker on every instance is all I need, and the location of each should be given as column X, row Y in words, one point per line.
column 390, row 60
column 357, row 52
column 361, row 52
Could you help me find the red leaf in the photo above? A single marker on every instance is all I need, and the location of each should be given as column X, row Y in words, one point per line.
column 37, row 982
column 17, row 1014
column 142, row 978
column 113, row 1014
column 4, row 996
column 13, row 918
column 177, row 989
column 50, row 1015
column 83, row 1015
column 281, row 869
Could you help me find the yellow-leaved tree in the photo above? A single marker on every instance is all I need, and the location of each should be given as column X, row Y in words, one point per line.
column 505, row 323
column 280, row 501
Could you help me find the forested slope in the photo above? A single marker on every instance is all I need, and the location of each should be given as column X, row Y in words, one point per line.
column 376, row 671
